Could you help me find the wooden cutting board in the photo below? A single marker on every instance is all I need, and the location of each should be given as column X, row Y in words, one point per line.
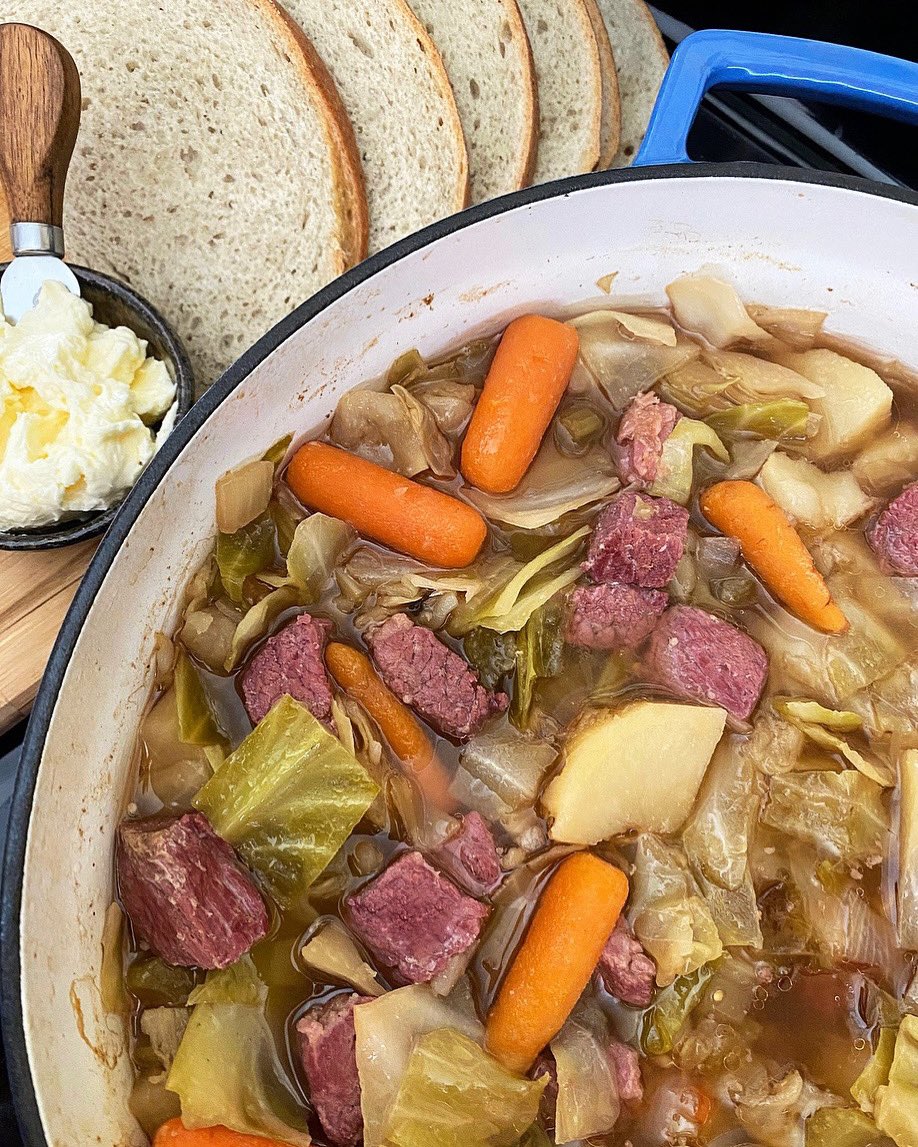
column 35, row 591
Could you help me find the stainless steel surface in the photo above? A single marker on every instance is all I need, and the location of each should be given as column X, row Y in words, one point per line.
column 24, row 278
column 37, row 239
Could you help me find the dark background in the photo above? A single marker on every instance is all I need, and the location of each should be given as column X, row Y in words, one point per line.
column 731, row 127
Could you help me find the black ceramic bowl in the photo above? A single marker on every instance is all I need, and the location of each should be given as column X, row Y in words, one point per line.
column 115, row 305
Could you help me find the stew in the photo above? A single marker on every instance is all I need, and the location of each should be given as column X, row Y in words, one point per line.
column 536, row 761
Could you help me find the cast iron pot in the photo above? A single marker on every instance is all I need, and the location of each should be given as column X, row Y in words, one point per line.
column 784, row 237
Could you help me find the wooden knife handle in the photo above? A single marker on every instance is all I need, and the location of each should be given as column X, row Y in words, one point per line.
column 39, row 120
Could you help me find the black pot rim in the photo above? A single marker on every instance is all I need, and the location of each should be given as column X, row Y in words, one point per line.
column 11, row 1015
column 92, row 525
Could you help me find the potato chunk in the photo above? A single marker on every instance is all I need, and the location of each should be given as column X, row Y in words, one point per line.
column 856, row 405
column 809, row 495
column 634, row 768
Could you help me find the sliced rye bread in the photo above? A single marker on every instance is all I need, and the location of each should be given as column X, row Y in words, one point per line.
column 486, row 53
column 611, row 120
column 396, row 92
column 213, row 170
column 570, row 86
column 641, row 60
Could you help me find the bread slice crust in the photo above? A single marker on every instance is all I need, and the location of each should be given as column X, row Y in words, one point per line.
column 611, row 119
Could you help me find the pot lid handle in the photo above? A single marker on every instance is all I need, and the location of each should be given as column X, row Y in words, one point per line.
column 776, row 65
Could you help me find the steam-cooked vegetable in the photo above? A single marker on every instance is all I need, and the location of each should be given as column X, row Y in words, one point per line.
column 401, row 428
column 907, row 884
column 808, row 495
column 510, row 763
column 287, row 799
column 575, row 915
column 158, row 984
column 666, row 1017
column 453, row 1094
column 509, row 608
column 525, row 382
column 257, row 621
column 748, row 374
column 797, row 327
column 196, row 720
column 889, row 461
column 588, row 1102
column 208, row 631
column 812, row 713
column 243, row 494
column 896, row 1102
column 555, row 484
column 669, row 916
column 842, row 813
column 577, row 427
column 411, row 518
column 651, row 328
column 316, row 549
column 876, row 1073
column 871, row 767
column 175, row 1134
column 781, row 418
column 775, row 1109
column 716, row 841
column 841, row 1127
column 711, row 308
column 774, row 745
column 247, row 551
column 856, row 405
column 330, row 951
column 613, row 752
column 174, row 770
column 387, row 1030
column 540, row 646
column 164, row 1027
column 676, row 469
column 227, row 1071
column 773, row 548
column 833, row 667
column 355, row 674
column 623, row 364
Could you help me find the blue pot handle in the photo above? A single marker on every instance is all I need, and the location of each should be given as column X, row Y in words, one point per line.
column 778, row 65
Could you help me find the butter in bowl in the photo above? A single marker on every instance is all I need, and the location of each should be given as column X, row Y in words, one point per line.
column 91, row 378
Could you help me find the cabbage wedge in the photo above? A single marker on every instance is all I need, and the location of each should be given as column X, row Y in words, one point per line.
column 671, row 918
column 226, row 1070
column 896, row 1102
column 287, row 799
column 588, row 1102
column 387, row 1030
column 676, row 469
column 555, row 484
column 454, row 1094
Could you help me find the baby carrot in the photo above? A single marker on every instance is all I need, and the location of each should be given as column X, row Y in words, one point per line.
column 176, row 1134
column 774, row 549
column 413, row 519
column 528, row 376
column 572, row 921
column 355, row 674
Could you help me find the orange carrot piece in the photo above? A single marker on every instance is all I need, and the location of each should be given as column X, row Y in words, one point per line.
column 176, row 1134
column 355, row 674
column 529, row 374
column 774, row 549
column 572, row 921
column 413, row 519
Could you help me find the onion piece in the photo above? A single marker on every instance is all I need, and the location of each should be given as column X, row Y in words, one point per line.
column 243, row 494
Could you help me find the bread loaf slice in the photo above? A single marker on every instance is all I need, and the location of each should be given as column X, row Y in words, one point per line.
column 611, row 118
column 570, row 86
column 396, row 92
column 485, row 51
column 213, row 170
column 641, row 60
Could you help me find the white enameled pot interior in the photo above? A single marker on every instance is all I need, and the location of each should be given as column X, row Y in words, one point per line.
column 781, row 242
